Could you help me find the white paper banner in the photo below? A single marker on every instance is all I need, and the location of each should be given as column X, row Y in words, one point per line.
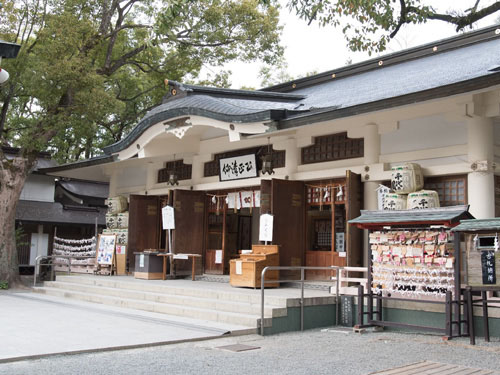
column 266, row 227
column 167, row 214
column 218, row 256
column 239, row 269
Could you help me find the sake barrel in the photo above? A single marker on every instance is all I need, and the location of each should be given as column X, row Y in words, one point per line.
column 122, row 220
column 117, row 204
column 394, row 201
column 423, row 199
column 406, row 178
column 111, row 221
column 122, row 236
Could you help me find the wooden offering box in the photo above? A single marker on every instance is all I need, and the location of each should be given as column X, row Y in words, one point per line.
column 148, row 266
column 247, row 270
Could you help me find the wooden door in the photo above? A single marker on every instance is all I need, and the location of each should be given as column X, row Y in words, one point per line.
column 288, row 208
column 144, row 226
column 188, row 235
column 354, row 235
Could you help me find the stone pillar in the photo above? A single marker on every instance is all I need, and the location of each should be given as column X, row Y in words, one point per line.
column 480, row 181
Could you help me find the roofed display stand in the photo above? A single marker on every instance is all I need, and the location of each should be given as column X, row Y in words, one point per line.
column 482, row 262
column 414, row 257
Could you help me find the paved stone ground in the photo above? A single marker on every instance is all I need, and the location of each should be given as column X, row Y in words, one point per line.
column 331, row 351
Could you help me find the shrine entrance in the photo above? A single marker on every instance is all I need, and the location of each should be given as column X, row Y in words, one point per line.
column 329, row 240
column 232, row 219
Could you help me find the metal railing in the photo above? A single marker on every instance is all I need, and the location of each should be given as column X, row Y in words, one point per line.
column 302, row 281
column 40, row 257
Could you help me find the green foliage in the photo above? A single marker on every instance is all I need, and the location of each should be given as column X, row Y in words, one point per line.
column 368, row 25
column 4, row 285
column 88, row 70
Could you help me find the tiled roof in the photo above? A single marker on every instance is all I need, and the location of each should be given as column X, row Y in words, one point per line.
column 53, row 212
column 86, row 188
column 431, row 216
column 477, row 225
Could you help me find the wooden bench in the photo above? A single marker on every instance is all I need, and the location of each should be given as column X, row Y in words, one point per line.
column 246, row 271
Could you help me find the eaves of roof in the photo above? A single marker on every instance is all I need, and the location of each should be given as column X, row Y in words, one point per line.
column 209, row 107
column 54, row 212
column 9, row 50
column 98, row 160
column 447, row 216
column 478, row 225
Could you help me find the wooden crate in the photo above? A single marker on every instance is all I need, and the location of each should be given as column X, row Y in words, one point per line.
column 251, row 266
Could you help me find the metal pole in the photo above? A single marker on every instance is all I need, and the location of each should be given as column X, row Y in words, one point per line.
column 171, row 261
column 262, row 277
column 337, row 302
column 302, row 299
column 457, row 293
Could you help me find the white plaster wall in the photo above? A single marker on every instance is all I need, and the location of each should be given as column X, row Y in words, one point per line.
column 39, row 188
column 423, row 133
column 496, row 130
column 132, row 176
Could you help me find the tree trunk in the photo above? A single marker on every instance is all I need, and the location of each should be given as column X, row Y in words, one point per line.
column 13, row 174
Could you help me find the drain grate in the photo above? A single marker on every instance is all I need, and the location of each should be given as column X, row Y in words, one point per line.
column 238, row 347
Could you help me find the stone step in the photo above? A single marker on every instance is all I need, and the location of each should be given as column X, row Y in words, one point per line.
column 217, row 304
column 233, row 295
column 249, row 320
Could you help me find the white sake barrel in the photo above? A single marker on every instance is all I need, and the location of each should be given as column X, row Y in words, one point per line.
column 111, row 221
column 423, row 199
column 406, row 178
column 116, row 204
column 122, row 220
column 394, row 201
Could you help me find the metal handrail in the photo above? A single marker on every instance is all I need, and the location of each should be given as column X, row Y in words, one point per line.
column 302, row 281
column 40, row 257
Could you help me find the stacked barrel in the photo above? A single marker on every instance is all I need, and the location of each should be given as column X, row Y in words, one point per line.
column 407, row 182
column 117, row 219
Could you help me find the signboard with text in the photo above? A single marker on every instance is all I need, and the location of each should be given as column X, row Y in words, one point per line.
column 237, row 167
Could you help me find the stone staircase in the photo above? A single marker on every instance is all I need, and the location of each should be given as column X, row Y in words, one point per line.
column 202, row 300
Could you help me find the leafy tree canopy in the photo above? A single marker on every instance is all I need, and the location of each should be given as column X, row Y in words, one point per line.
column 89, row 69
column 368, row 25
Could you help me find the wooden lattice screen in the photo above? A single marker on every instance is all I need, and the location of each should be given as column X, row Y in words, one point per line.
column 183, row 171
column 333, row 147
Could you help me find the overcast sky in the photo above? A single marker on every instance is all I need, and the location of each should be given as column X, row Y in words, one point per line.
column 313, row 48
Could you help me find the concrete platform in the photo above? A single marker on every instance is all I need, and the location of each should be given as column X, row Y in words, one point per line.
column 36, row 326
column 86, row 313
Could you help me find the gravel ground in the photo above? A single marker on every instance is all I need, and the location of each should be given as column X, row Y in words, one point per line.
column 329, row 351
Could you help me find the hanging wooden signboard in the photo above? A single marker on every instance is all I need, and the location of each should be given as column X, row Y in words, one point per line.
column 238, row 167
column 106, row 249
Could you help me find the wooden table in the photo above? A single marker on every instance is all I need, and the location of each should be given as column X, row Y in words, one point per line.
column 178, row 256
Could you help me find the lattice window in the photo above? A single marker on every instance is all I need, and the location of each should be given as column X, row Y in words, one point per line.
column 452, row 190
column 183, row 171
column 333, row 147
column 212, row 167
